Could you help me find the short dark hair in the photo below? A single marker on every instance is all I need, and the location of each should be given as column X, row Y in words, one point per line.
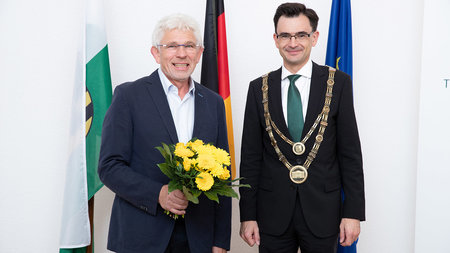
column 294, row 10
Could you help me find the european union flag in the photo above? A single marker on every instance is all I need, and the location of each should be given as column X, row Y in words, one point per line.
column 339, row 47
column 339, row 55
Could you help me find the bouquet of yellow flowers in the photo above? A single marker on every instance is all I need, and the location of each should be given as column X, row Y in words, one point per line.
column 196, row 168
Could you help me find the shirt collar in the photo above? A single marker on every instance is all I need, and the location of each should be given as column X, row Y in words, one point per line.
column 167, row 85
column 306, row 71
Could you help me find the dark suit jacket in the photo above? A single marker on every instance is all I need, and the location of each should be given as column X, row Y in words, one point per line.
column 138, row 120
column 272, row 198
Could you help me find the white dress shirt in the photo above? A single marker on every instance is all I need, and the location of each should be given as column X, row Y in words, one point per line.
column 303, row 85
column 183, row 110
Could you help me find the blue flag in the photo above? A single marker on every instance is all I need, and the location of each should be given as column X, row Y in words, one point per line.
column 339, row 55
column 339, row 47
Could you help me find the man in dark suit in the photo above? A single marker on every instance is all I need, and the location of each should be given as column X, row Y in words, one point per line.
column 167, row 106
column 297, row 170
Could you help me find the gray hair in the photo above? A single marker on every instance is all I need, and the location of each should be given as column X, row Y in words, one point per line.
column 177, row 21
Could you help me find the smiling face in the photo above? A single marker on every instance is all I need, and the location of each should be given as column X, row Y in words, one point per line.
column 295, row 52
column 177, row 64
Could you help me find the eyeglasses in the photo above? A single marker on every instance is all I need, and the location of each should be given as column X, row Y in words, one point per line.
column 300, row 36
column 173, row 47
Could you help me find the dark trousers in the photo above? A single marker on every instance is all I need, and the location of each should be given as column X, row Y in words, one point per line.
column 297, row 236
column 178, row 242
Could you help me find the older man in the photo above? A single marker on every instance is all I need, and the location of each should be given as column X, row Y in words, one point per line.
column 167, row 106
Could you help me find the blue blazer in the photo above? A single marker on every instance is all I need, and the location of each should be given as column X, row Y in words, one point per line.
column 138, row 120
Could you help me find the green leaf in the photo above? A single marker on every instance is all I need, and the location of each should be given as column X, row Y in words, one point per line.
column 227, row 191
column 167, row 150
column 237, row 179
column 241, row 185
column 189, row 195
column 161, row 150
column 196, row 192
column 212, row 196
column 166, row 170
column 174, row 185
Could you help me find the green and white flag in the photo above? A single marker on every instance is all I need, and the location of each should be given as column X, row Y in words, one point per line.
column 91, row 101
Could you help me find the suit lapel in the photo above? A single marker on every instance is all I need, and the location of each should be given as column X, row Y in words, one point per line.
column 275, row 105
column 159, row 98
column 316, row 96
column 201, row 119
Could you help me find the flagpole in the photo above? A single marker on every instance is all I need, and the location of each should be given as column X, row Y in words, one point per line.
column 90, row 247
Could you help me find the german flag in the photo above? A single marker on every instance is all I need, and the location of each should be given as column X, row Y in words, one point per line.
column 215, row 63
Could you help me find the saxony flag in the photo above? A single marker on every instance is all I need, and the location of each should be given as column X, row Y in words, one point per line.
column 95, row 91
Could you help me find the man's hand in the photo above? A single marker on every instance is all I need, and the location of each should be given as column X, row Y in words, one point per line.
column 218, row 250
column 174, row 202
column 250, row 232
column 349, row 231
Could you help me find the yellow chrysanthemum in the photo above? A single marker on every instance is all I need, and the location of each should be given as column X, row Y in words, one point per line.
column 206, row 161
column 204, row 181
column 205, row 149
column 187, row 163
column 225, row 175
column 217, row 170
column 194, row 163
column 222, row 156
column 182, row 151
column 195, row 145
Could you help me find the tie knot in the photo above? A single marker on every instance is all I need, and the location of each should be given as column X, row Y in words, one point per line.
column 293, row 78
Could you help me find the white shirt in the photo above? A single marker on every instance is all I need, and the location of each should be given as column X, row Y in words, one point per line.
column 183, row 111
column 303, row 85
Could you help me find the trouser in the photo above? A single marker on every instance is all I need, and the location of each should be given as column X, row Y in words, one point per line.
column 298, row 235
column 178, row 241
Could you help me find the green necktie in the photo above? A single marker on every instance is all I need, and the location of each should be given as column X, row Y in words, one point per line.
column 294, row 110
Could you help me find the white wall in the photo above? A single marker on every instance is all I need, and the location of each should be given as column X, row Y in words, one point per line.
column 387, row 44
column 39, row 42
column 37, row 59
column 433, row 202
